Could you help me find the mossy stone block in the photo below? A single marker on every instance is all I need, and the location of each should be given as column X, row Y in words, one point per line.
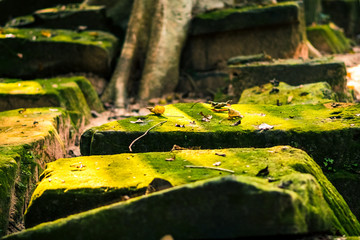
column 279, row 30
column 312, row 93
column 324, row 131
column 291, row 71
column 327, row 39
column 230, row 19
column 345, row 14
column 74, row 94
column 29, row 139
column 70, row 16
column 223, row 208
column 10, row 8
column 32, row 53
column 74, row 185
column 8, row 172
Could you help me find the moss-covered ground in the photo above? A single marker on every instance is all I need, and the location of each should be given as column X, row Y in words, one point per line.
column 74, row 94
column 313, row 93
column 73, row 185
column 29, row 138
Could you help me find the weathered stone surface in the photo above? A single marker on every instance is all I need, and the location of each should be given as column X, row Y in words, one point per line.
column 327, row 39
column 219, row 35
column 345, row 13
column 312, row 93
column 223, row 208
column 10, row 8
column 347, row 182
column 29, row 138
column 42, row 53
column 74, row 94
column 73, row 185
column 71, row 16
column 329, row 131
column 291, row 71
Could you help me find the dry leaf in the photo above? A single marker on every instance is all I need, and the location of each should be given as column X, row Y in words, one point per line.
column 137, row 121
column 290, row 98
column 45, row 33
column 157, row 110
column 206, row 118
column 234, row 114
column 265, row 126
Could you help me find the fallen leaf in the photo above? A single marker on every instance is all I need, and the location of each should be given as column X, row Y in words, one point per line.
column 217, row 164
column 220, row 104
column 232, row 114
column 10, row 35
column 275, row 82
column 290, row 98
column 157, row 110
column 170, row 159
column 206, row 118
column 265, row 126
column 45, row 33
column 137, row 121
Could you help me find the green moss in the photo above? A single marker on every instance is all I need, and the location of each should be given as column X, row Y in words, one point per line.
column 294, row 72
column 34, row 53
column 99, row 180
column 29, row 139
column 314, row 93
column 223, row 13
column 8, row 169
column 74, row 94
column 96, row 38
column 327, row 39
column 324, row 132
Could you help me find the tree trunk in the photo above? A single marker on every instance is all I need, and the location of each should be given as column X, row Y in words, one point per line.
column 149, row 61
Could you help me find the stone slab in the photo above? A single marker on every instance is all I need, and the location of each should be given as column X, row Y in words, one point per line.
column 74, row 185
column 74, row 94
column 33, row 53
column 284, row 94
column 344, row 13
column 29, row 138
column 324, row 131
column 10, row 8
column 291, row 71
column 328, row 39
column 222, row 208
column 229, row 19
column 279, row 30
column 78, row 17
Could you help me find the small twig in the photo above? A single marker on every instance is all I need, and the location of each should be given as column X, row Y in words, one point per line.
column 132, row 143
column 212, row 168
column 195, row 104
